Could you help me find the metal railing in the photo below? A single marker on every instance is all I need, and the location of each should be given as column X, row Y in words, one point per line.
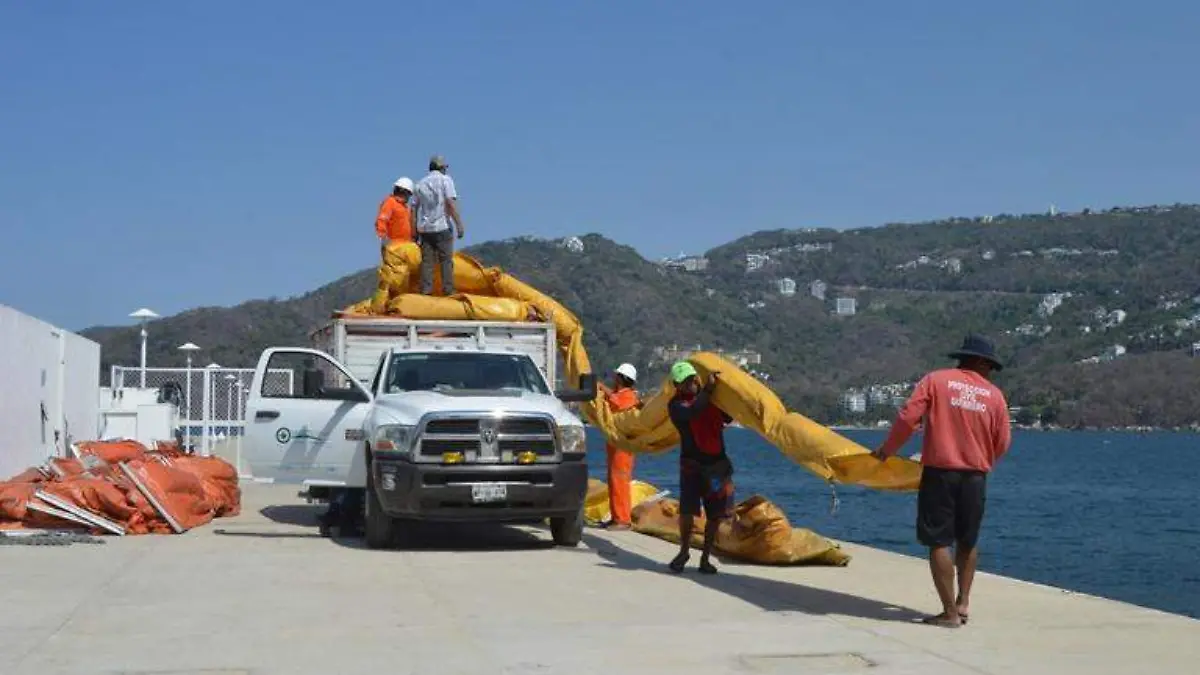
column 211, row 401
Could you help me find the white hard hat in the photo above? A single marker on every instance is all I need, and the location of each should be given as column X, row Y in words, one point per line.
column 628, row 371
column 404, row 183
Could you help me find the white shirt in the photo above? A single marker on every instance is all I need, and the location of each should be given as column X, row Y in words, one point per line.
column 429, row 200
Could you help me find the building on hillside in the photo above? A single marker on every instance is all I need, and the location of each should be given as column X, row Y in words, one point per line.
column 573, row 244
column 787, row 287
column 1051, row 302
column 756, row 261
column 1111, row 319
column 854, row 402
column 742, row 357
column 685, row 262
column 846, row 307
column 817, row 289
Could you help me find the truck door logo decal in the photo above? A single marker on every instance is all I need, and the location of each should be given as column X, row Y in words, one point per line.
column 283, row 435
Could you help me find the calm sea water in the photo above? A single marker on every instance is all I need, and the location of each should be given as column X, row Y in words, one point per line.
column 1110, row 514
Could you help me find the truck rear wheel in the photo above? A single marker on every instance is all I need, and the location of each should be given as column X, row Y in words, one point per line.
column 568, row 530
column 380, row 529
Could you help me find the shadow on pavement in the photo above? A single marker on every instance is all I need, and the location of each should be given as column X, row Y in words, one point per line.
column 434, row 537
column 767, row 594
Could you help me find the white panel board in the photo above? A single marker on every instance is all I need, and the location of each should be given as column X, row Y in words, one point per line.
column 51, row 384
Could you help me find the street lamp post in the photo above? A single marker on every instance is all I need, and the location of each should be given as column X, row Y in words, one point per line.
column 143, row 316
column 188, row 348
column 207, row 402
column 241, row 418
column 230, row 378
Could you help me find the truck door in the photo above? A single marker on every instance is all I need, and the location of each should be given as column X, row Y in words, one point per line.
column 304, row 418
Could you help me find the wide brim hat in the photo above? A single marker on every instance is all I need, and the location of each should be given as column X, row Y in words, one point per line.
column 980, row 347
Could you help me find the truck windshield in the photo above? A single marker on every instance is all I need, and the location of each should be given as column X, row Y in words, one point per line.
column 478, row 372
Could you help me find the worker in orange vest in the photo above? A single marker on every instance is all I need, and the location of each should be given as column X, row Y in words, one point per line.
column 620, row 397
column 394, row 222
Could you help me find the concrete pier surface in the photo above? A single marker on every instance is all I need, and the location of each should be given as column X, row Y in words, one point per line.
column 263, row 593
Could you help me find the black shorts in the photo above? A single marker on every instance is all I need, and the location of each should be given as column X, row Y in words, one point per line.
column 950, row 507
column 702, row 486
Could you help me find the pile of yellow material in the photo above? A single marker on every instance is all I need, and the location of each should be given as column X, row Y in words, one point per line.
column 759, row 532
column 487, row 293
column 596, row 508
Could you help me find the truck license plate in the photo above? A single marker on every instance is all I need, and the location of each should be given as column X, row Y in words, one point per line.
column 488, row 492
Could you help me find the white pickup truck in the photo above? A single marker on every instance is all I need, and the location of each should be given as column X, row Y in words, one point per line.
column 426, row 420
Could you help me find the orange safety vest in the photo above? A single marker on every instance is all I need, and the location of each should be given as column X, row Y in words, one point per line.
column 393, row 222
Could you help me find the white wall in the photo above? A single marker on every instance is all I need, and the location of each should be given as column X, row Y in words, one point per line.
column 49, row 383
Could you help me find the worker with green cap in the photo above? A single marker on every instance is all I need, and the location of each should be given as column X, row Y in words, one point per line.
column 705, row 472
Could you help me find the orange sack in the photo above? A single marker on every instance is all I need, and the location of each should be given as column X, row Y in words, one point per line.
column 218, row 479
column 14, row 497
column 181, row 493
column 101, row 496
column 114, row 451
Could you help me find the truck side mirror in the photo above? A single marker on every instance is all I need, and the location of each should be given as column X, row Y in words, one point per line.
column 586, row 391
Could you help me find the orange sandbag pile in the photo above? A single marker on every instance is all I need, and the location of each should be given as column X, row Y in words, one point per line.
column 138, row 490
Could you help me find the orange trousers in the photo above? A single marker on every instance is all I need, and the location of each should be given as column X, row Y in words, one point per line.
column 620, row 479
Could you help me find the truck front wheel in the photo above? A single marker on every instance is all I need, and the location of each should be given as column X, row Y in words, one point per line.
column 568, row 530
column 380, row 529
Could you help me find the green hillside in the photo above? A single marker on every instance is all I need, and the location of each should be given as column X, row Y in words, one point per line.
column 1129, row 277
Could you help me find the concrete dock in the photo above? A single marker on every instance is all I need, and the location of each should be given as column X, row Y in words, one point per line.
column 263, row 593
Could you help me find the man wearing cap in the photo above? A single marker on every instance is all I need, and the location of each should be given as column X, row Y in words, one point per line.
column 705, row 472
column 967, row 430
column 435, row 206
column 621, row 397
column 394, row 222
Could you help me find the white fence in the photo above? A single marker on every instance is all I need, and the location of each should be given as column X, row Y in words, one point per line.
column 211, row 401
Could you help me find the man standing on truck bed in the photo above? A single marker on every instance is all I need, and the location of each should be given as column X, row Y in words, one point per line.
column 966, row 431
column 435, row 205
column 621, row 397
column 705, row 472
column 394, row 222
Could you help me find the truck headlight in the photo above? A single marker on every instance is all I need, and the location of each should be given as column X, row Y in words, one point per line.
column 574, row 440
column 394, row 438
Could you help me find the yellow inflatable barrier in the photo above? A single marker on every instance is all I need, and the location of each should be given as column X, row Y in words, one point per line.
column 595, row 506
column 759, row 531
column 488, row 293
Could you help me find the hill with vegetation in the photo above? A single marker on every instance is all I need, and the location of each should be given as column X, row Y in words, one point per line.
column 1097, row 314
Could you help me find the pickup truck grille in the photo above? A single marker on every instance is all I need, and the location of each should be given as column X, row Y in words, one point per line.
column 475, row 439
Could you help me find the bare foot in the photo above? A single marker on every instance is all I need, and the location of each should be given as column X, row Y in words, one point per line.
column 943, row 620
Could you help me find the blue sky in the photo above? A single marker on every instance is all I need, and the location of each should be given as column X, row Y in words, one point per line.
column 173, row 155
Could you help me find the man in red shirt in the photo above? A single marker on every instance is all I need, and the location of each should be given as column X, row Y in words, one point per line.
column 967, row 430
column 705, row 472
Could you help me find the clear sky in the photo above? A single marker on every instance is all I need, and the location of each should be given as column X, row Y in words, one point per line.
column 178, row 154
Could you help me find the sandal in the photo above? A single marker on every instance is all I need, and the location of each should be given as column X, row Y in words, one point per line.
column 707, row 568
column 679, row 563
column 942, row 621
